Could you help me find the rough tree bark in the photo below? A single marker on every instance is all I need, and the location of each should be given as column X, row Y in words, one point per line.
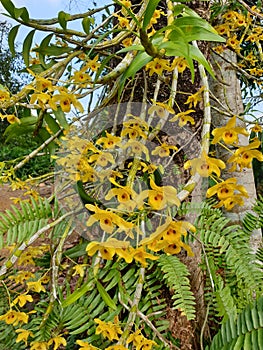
column 226, row 89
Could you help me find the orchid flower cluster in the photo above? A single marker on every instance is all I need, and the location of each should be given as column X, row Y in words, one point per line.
column 244, row 36
column 124, row 176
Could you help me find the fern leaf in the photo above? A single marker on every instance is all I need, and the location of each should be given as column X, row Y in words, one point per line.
column 244, row 332
column 176, row 277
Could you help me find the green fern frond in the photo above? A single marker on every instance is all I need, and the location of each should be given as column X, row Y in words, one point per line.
column 176, row 277
column 233, row 244
column 244, row 332
column 259, row 257
column 19, row 224
column 253, row 221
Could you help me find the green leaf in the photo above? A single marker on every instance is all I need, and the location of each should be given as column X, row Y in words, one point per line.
column 190, row 21
column 22, row 13
column 26, row 126
column 61, row 118
column 51, row 122
column 179, row 48
column 77, row 294
column 53, row 50
column 192, row 33
column 44, row 135
column 9, row 6
column 11, row 39
column 25, row 15
column 149, row 12
column 139, row 62
column 105, row 296
column 178, row 9
column 86, row 24
column 131, row 48
column 197, row 55
column 63, row 18
column 27, row 46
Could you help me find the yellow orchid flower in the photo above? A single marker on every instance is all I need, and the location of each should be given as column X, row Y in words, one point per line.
column 36, row 286
column 168, row 236
column 157, row 65
column 226, row 189
column 82, row 78
column 92, row 64
column 175, row 248
column 180, row 63
column 22, row 276
column 163, row 150
column 124, row 23
column 109, row 141
column 205, row 165
column 137, row 148
column 43, row 84
column 123, row 193
column 127, row 42
column 57, row 342
column 65, row 100
column 108, row 330
column 12, row 119
column 156, row 15
column 79, row 269
column 23, row 335
column 102, row 158
column 14, row 317
column 140, row 255
column 256, row 128
column 193, row 99
column 85, row 345
column 175, row 230
column 223, row 29
column 133, row 132
column 230, row 202
column 159, row 196
column 111, row 247
column 39, row 345
column 183, row 117
column 228, row 133
column 136, row 122
column 107, row 219
column 22, row 299
column 4, row 96
column 243, row 156
column 233, row 42
column 161, row 109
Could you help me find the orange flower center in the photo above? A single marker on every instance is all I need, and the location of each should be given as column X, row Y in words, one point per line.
column 158, row 197
column 205, row 166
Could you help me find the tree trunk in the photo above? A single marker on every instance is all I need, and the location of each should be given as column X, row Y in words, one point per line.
column 226, row 89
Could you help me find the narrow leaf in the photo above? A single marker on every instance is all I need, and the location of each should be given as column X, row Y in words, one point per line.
column 51, row 122
column 105, row 296
column 86, row 25
column 9, row 6
column 149, row 12
column 77, row 294
column 25, row 15
column 53, row 50
column 139, row 62
column 27, row 46
column 11, row 39
column 60, row 116
column 197, row 55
